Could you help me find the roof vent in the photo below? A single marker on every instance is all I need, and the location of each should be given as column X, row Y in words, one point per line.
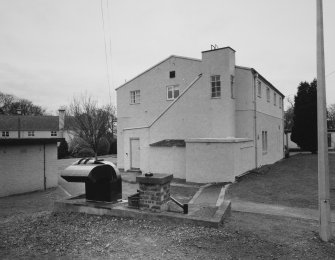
column 214, row 47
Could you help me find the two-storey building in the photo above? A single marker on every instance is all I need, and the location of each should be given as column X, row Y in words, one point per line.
column 202, row 120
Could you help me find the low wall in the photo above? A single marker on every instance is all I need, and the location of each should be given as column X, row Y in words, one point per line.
column 170, row 160
column 218, row 160
column 23, row 168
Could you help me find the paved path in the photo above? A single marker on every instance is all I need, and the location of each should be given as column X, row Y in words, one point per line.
column 277, row 210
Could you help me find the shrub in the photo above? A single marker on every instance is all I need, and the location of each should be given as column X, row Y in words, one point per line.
column 63, row 149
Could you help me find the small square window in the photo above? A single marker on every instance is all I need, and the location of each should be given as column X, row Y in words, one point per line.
column 5, row 133
column 53, row 133
column 172, row 74
column 31, row 133
column 135, row 97
column 172, row 92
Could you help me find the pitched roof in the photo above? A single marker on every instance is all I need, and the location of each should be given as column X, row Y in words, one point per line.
column 29, row 123
column 261, row 77
column 172, row 56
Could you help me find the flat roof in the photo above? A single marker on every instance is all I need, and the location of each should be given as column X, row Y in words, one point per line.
column 169, row 143
column 19, row 141
column 228, row 47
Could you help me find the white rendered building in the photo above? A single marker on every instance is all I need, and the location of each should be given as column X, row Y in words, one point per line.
column 202, row 120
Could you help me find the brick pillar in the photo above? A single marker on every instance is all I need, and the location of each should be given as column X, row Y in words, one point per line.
column 154, row 191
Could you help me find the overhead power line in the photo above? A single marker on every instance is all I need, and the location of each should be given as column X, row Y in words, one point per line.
column 107, row 59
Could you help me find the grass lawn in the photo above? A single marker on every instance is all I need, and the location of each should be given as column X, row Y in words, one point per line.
column 290, row 182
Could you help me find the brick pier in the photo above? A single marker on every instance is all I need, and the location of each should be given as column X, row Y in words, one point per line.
column 154, row 191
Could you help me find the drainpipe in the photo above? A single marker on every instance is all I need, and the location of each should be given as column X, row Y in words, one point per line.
column 44, row 175
column 255, row 74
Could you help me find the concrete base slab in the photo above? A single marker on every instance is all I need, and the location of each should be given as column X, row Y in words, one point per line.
column 198, row 215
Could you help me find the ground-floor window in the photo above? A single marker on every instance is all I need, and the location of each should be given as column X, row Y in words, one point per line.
column 31, row 133
column 264, row 141
column 5, row 133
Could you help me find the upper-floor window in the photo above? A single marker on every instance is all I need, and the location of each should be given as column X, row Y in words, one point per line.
column 31, row 133
column 172, row 74
column 259, row 88
column 216, row 86
column 232, row 86
column 135, row 97
column 268, row 94
column 280, row 102
column 172, row 92
column 5, row 133
column 53, row 133
column 275, row 98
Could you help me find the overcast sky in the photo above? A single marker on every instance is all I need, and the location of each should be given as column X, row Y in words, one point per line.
column 51, row 50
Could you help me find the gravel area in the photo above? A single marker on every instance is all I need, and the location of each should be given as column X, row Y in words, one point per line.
column 32, row 230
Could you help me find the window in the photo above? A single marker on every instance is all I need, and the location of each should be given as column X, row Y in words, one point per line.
column 53, row 133
column 268, row 94
column 259, row 88
column 31, row 133
column 172, row 92
column 280, row 103
column 216, row 86
column 5, row 133
column 275, row 98
column 232, row 87
column 264, row 141
column 172, row 74
column 135, row 97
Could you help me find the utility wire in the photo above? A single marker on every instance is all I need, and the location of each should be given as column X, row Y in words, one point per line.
column 330, row 73
column 106, row 58
column 110, row 44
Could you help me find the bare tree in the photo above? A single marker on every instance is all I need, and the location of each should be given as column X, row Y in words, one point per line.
column 91, row 123
column 288, row 114
column 331, row 116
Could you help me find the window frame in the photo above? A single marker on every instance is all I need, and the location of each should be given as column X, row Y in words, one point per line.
column 274, row 98
column 174, row 89
column 31, row 133
column 268, row 94
column 53, row 133
column 280, row 101
column 172, row 74
column 216, row 86
column 232, row 87
column 259, row 88
column 5, row 134
column 265, row 142
column 135, row 97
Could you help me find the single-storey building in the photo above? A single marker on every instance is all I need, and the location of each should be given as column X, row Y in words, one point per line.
column 28, row 152
column 203, row 120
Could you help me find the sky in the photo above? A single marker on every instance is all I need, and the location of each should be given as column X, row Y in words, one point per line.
column 53, row 50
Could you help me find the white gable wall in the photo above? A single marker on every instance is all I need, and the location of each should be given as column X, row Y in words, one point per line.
column 152, row 85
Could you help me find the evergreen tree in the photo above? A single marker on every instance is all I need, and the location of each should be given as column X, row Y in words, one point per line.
column 63, row 149
column 304, row 130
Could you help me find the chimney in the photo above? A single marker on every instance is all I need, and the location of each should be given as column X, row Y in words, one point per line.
column 61, row 116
